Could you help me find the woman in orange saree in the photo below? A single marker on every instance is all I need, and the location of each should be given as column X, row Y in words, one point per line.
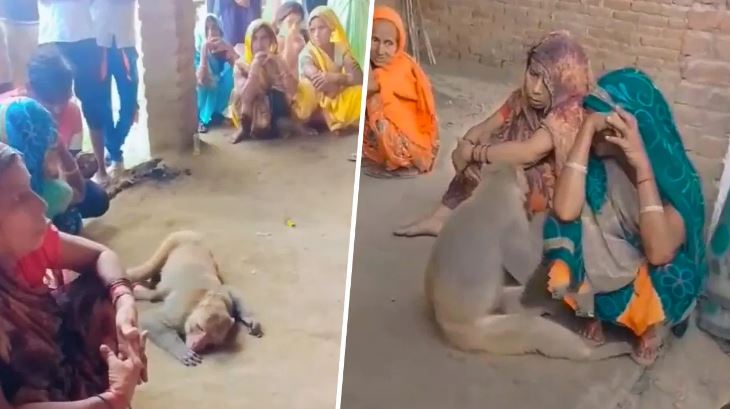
column 401, row 130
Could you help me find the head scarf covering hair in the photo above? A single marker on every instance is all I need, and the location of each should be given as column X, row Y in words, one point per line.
column 255, row 26
column 31, row 130
column 201, row 30
column 566, row 71
column 403, row 76
column 339, row 36
column 678, row 283
column 287, row 8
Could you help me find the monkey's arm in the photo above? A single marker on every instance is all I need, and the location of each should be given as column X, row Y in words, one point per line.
column 242, row 315
column 168, row 339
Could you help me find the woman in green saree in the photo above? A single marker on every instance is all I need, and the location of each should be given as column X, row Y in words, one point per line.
column 625, row 244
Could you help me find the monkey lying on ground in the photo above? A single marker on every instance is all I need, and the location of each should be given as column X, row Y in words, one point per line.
column 466, row 274
column 196, row 304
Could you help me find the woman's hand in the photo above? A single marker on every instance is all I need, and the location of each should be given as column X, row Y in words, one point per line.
column 466, row 149
column 458, row 160
column 597, row 121
column 128, row 335
column 473, row 172
column 327, row 82
column 124, row 376
column 628, row 139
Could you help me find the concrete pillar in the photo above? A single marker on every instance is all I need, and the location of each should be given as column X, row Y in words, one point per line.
column 168, row 49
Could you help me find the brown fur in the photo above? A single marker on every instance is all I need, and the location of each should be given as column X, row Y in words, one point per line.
column 184, row 275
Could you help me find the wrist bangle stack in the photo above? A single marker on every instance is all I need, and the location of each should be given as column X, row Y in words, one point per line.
column 120, row 288
column 485, row 155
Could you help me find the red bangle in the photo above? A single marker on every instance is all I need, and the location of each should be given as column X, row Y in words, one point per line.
column 114, row 288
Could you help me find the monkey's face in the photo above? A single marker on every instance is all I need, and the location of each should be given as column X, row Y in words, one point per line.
column 208, row 325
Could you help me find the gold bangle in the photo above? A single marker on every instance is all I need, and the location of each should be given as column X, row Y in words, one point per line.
column 578, row 167
column 652, row 209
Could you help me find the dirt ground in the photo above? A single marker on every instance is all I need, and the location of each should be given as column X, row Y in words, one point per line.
column 395, row 357
column 292, row 278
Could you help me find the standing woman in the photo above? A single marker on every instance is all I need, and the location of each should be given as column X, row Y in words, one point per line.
column 401, row 131
column 354, row 17
column 235, row 17
column 214, row 60
column 330, row 78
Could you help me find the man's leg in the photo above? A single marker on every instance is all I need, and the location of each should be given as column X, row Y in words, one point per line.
column 86, row 60
column 6, row 76
column 123, row 66
column 22, row 44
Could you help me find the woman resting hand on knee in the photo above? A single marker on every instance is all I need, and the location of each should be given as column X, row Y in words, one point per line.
column 533, row 129
column 73, row 345
column 625, row 244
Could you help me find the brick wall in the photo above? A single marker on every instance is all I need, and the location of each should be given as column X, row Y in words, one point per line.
column 168, row 50
column 683, row 44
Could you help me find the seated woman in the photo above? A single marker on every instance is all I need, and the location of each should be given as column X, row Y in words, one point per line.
column 264, row 87
column 290, row 33
column 330, row 80
column 55, row 176
column 533, row 129
column 401, row 131
column 58, row 344
column 214, row 59
column 626, row 243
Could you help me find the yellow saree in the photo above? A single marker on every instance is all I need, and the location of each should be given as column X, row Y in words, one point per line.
column 343, row 110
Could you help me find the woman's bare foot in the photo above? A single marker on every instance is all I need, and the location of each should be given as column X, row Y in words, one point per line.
column 430, row 226
column 647, row 349
column 593, row 332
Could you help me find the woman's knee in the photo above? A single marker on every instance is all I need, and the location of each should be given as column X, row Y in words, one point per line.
column 96, row 201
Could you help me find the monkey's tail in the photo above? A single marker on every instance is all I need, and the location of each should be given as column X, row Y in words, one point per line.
column 151, row 268
column 517, row 334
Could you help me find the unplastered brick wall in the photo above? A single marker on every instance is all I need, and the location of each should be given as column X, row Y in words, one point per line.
column 168, row 46
column 683, row 44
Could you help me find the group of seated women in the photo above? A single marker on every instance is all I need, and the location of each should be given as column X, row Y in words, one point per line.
column 287, row 79
column 623, row 238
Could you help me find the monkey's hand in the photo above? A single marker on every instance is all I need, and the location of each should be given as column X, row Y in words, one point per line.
column 240, row 314
column 169, row 340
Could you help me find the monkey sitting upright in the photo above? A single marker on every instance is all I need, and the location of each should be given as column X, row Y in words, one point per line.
column 465, row 280
column 196, row 304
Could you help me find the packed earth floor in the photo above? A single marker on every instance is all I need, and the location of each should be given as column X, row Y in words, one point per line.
column 291, row 277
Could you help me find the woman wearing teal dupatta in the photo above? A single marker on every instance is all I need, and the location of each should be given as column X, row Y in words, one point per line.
column 625, row 245
column 214, row 59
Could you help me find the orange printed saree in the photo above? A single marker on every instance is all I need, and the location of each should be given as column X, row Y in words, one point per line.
column 401, row 129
